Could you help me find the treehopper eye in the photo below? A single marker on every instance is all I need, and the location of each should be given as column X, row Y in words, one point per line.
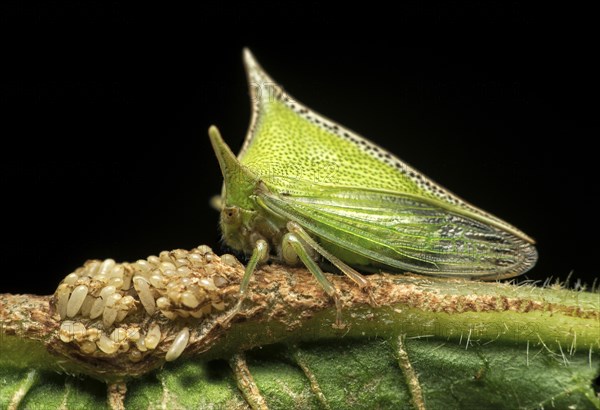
column 304, row 187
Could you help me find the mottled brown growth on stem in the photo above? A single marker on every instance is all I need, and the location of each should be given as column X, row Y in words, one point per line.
column 26, row 315
column 284, row 303
column 116, row 396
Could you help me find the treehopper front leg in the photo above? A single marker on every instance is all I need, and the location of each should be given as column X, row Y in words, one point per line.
column 260, row 253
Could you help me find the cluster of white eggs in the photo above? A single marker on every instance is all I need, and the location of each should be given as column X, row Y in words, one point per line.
column 109, row 308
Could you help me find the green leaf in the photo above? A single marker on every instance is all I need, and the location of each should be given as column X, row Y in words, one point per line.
column 350, row 374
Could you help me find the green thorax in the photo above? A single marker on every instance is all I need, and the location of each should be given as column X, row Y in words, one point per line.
column 287, row 145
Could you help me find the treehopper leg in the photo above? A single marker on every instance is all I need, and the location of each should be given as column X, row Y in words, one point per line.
column 293, row 241
column 259, row 254
column 356, row 277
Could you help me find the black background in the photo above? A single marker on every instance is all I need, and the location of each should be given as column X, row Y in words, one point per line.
column 105, row 109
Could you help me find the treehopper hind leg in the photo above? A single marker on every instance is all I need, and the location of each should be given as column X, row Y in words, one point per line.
column 291, row 240
column 298, row 239
column 359, row 279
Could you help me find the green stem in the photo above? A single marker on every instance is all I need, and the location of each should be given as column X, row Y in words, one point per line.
column 287, row 305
